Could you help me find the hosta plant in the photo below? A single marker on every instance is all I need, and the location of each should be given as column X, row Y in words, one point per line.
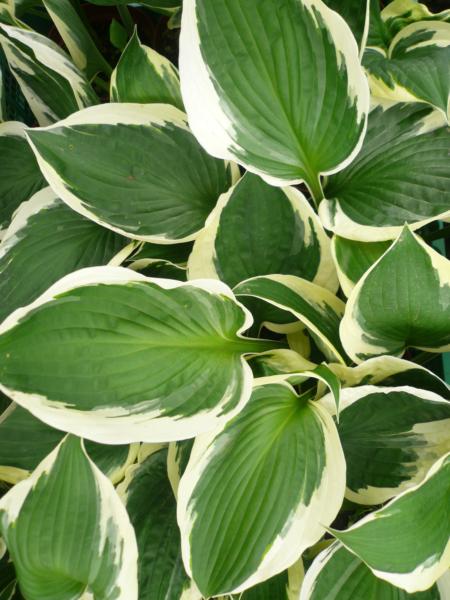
column 224, row 300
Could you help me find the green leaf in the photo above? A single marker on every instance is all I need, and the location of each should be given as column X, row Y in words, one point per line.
column 419, row 514
column 82, row 538
column 118, row 35
column 284, row 586
column 317, row 308
column 399, row 13
column 294, row 103
column 45, row 241
column 294, row 243
column 337, row 573
column 178, row 457
column 144, row 76
column 353, row 259
column 391, row 436
column 401, row 175
column 25, row 442
column 415, row 67
column 152, row 509
column 174, row 253
column 116, row 357
column 402, row 301
column 77, row 38
column 352, row 11
column 259, row 491
column 52, row 85
column 378, row 35
column 159, row 268
column 390, row 371
column 94, row 161
column 20, row 176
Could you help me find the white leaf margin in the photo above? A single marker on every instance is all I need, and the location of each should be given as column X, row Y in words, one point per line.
column 111, row 507
column 306, row 524
column 213, row 127
column 113, row 425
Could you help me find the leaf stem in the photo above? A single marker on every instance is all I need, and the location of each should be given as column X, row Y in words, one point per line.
column 126, row 18
column 315, row 187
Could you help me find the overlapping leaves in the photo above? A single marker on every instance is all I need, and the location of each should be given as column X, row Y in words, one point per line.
column 161, row 350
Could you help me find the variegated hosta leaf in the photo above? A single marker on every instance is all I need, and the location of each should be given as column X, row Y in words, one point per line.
column 116, row 357
column 317, row 308
column 257, row 92
column 134, row 168
column 152, row 509
column 390, row 371
column 45, row 241
column 354, row 14
column 82, row 541
column 142, row 75
column 401, row 175
column 25, row 442
column 378, row 35
column 20, row 176
column 337, row 573
column 159, row 268
column 391, row 436
column 174, row 253
column 415, row 532
column 399, row 13
column 415, row 68
column 279, row 362
column 52, row 85
column 177, row 460
column 259, row 491
column 402, row 301
column 294, row 243
column 352, row 259
column 77, row 38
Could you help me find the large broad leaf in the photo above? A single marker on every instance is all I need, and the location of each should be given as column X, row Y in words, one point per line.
column 20, row 176
column 353, row 13
column 25, row 442
column 402, row 301
column 337, row 573
column 259, row 491
column 134, row 168
column 151, row 505
column 116, row 357
column 275, row 85
column 352, row 259
column 242, row 239
column 415, row 533
column 143, row 75
column 317, row 308
column 401, row 175
column 77, row 38
column 45, row 241
column 82, row 540
column 415, row 68
column 52, row 85
column 390, row 436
